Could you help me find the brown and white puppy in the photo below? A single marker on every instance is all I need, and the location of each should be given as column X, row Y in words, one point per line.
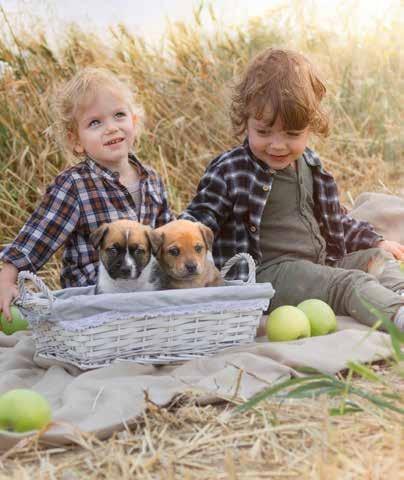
column 182, row 250
column 126, row 261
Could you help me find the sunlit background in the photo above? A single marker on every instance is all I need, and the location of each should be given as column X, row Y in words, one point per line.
column 181, row 57
column 151, row 17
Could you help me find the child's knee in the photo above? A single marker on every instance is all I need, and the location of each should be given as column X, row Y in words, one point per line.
column 377, row 261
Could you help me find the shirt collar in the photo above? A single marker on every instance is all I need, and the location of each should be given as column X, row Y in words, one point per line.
column 311, row 158
column 255, row 159
column 111, row 175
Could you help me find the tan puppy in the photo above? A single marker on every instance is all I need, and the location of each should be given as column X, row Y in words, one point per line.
column 181, row 248
column 126, row 261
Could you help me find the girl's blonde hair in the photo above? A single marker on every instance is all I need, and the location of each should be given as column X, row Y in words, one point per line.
column 72, row 95
column 287, row 83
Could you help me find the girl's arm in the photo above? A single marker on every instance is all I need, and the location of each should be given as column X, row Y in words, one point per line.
column 8, row 288
column 47, row 229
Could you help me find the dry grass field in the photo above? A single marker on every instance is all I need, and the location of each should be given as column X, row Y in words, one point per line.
column 184, row 85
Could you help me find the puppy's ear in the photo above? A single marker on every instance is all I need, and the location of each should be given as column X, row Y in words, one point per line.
column 207, row 235
column 97, row 235
column 147, row 230
column 156, row 241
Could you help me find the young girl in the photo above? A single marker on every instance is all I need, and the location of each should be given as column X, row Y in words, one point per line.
column 98, row 121
column 272, row 198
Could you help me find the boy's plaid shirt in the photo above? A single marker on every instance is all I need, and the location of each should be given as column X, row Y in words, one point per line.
column 233, row 192
column 78, row 201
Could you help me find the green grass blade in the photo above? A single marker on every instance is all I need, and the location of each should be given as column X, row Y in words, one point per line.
column 314, row 392
column 397, row 337
column 365, row 372
column 270, row 391
column 377, row 400
column 343, row 411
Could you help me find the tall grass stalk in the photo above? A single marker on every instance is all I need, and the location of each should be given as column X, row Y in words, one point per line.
column 184, row 84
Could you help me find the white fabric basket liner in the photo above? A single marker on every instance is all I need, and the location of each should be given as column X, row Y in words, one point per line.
column 197, row 309
column 75, row 307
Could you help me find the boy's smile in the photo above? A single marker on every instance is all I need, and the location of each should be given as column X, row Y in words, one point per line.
column 273, row 145
column 105, row 129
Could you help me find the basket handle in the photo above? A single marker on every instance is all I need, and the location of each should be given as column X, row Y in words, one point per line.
column 40, row 285
column 233, row 260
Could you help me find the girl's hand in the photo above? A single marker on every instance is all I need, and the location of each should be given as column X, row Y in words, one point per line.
column 393, row 247
column 8, row 288
column 6, row 297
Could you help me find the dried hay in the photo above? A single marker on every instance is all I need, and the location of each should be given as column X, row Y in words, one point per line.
column 289, row 439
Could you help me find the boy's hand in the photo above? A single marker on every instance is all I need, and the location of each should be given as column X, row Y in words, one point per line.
column 393, row 247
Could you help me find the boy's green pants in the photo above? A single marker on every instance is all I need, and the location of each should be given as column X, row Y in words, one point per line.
column 342, row 286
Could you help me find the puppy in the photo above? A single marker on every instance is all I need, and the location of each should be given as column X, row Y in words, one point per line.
column 126, row 261
column 182, row 250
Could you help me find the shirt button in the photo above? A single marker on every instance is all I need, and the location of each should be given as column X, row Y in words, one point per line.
column 265, row 188
column 253, row 228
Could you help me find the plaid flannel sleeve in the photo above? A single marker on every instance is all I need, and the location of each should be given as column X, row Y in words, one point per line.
column 358, row 235
column 47, row 229
column 211, row 204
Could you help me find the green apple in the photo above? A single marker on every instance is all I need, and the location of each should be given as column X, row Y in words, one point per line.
column 18, row 322
column 23, row 410
column 287, row 323
column 321, row 316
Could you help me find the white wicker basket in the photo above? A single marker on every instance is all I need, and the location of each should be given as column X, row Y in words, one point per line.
column 185, row 324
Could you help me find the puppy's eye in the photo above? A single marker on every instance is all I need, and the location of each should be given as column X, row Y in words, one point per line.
column 198, row 248
column 174, row 251
column 112, row 251
column 136, row 250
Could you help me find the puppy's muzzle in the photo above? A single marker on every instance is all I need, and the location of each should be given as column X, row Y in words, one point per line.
column 125, row 272
column 191, row 268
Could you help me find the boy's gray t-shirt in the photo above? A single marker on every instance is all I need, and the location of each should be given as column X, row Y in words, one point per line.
column 289, row 229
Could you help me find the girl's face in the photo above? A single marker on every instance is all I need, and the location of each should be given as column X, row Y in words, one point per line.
column 273, row 145
column 105, row 129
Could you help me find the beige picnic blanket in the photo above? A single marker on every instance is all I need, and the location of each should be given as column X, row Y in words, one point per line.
column 110, row 399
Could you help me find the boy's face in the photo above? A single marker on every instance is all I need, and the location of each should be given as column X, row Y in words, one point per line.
column 105, row 129
column 273, row 145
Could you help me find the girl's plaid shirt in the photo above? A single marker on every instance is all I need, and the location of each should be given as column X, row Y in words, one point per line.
column 233, row 192
column 79, row 200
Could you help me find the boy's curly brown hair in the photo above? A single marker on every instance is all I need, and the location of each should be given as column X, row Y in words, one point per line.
column 286, row 83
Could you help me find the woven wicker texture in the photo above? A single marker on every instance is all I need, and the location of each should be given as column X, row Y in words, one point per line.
column 192, row 323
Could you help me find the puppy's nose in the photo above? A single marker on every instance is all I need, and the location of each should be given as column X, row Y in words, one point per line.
column 191, row 267
column 125, row 271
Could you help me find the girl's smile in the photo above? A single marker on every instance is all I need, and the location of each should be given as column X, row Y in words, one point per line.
column 106, row 129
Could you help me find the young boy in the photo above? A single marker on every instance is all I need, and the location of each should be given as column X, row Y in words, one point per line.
column 272, row 198
column 96, row 120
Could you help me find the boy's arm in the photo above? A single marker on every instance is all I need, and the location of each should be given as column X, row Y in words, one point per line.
column 359, row 235
column 211, row 204
column 47, row 229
